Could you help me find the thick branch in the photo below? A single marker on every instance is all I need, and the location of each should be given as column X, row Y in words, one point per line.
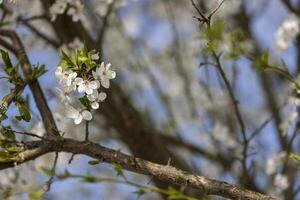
column 162, row 172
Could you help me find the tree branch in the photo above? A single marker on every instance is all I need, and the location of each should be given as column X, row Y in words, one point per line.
column 39, row 97
column 165, row 173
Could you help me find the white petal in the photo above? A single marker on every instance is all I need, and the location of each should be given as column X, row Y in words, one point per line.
column 78, row 81
column 101, row 66
column 95, row 56
column 111, row 74
column 107, row 66
column 69, row 81
column 91, row 97
column 87, row 115
column 73, row 75
column 88, row 90
column 78, row 119
column 58, row 72
column 95, row 105
column 95, row 74
column 94, row 85
column 105, row 82
column 102, row 96
column 81, row 88
column 71, row 112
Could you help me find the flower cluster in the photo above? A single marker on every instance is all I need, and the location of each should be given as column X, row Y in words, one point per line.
column 287, row 32
column 73, row 8
column 82, row 77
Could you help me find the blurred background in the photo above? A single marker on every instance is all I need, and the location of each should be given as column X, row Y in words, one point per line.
column 168, row 101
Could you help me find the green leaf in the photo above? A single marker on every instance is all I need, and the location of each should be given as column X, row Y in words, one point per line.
column 295, row 157
column 85, row 102
column 64, row 175
column 174, row 194
column 56, row 133
column 90, row 179
column 24, row 112
column 38, row 71
column 118, row 169
column 49, row 172
column 68, row 60
column 215, row 32
column 94, row 162
column 3, row 116
column 6, row 59
column 36, row 195
column 7, row 133
column 14, row 149
column 262, row 62
column 140, row 192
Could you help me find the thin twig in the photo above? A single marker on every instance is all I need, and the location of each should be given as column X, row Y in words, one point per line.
column 216, row 9
column 50, row 181
column 261, row 127
column 71, row 158
column 105, row 25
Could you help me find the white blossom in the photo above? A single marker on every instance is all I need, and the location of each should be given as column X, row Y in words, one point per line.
column 95, row 56
column 78, row 115
column 287, row 32
column 86, row 85
column 66, row 77
column 95, row 98
column 281, row 181
column 57, row 8
column 75, row 11
column 75, row 44
column 221, row 134
column 64, row 94
column 103, row 74
column 273, row 162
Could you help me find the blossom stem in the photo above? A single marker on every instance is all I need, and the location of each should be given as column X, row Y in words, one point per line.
column 87, row 131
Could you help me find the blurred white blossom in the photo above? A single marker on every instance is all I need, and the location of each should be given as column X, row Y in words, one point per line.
column 73, row 8
column 281, row 181
column 273, row 162
column 76, row 11
column 57, row 8
column 221, row 134
column 287, row 32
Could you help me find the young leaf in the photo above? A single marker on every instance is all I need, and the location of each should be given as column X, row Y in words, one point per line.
column 94, row 162
column 295, row 157
column 7, row 133
column 6, row 59
column 24, row 112
column 36, row 195
column 38, row 71
column 67, row 59
column 90, row 179
column 140, row 192
column 118, row 169
column 49, row 172
column 263, row 61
